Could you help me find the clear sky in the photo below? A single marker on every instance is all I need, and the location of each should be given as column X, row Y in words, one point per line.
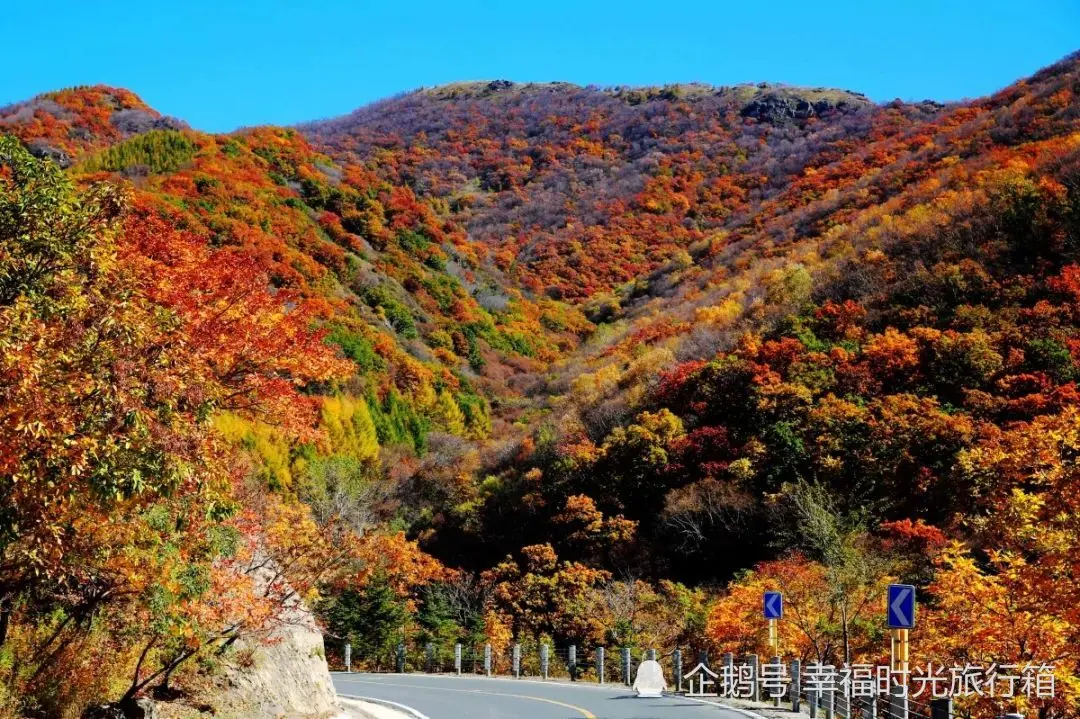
column 220, row 64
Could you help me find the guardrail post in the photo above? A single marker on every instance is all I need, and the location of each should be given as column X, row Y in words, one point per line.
column 752, row 662
column 544, row 661
column 676, row 661
column 401, row 658
column 457, row 659
column 600, row 664
column 898, row 702
column 487, row 659
column 429, row 658
column 517, row 661
column 626, row 667
column 348, row 657
column 775, row 662
column 941, row 708
column 729, row 675
column 796, row 685
column 571, row 662
column 830, row 701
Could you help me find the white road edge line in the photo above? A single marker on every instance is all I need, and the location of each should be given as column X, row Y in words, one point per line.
column 739, row 710
column 386, row 702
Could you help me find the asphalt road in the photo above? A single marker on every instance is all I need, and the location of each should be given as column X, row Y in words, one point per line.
column 450, row 697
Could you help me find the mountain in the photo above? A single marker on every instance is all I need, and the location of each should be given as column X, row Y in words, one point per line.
column 579, row 190
column 613, row 347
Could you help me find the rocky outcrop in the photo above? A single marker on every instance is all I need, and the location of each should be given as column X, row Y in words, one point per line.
column 134, row 121
column 283, row 675
column 43, row 150
column 284, row 678
column 778, row 107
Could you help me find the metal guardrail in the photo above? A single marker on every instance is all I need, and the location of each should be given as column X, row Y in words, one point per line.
column 542, row 660
column 836, row 705
column 620, row 665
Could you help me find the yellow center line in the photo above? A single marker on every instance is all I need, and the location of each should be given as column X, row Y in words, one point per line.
column 584, row 712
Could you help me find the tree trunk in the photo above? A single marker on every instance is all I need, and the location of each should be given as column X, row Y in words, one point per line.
column 5, row 619
column 167, row 677
column 847, row 639
column 135, row 685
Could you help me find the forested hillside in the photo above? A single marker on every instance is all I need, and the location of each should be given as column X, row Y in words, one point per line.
column 579, row 190
column 495, row 362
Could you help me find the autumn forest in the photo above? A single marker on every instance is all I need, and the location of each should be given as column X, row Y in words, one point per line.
column 495, row 363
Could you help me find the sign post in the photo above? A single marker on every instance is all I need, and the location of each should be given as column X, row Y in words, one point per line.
column 900, row 650
column 901, row 616
column 773, row 604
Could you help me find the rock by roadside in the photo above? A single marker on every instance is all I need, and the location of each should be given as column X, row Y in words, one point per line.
column 284, row 676
column 280, row 676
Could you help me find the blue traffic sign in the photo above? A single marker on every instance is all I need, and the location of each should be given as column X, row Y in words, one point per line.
column 901, row 604
column 774, row 605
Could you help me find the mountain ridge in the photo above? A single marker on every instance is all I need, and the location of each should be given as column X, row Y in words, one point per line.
column 56, row 103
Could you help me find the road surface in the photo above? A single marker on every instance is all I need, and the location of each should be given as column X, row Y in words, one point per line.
column 450, row 697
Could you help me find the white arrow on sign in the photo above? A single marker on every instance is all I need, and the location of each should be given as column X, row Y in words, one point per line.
column 897, row 605
column 771, row 604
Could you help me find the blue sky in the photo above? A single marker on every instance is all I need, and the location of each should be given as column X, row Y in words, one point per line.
column 220, row 64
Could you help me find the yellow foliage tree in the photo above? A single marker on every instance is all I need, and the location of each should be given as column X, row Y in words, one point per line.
column 268, row 446
column 722, row 315
column 447, row 415
column 350, row 427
